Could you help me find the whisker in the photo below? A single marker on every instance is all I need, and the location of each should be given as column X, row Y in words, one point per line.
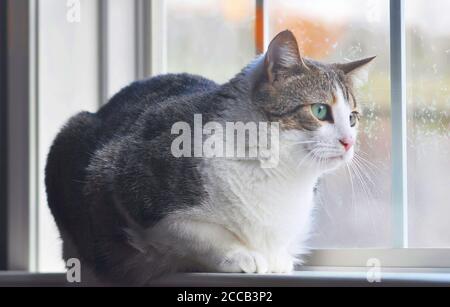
column 360, row 167
column 355, row 216
column 367, row 161
column 303, row 143
column 363, row 182
column 369, row 194
column 364, row 166
column 305, row 158
column 371, row 172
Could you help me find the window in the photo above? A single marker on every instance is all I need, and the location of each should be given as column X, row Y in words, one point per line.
column 202, row 36
column 428, row 75
column 353, row 201
column 391, row 206
column 80, row 65
column 62, row 93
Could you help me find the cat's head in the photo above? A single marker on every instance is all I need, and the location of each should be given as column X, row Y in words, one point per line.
column 314, row 102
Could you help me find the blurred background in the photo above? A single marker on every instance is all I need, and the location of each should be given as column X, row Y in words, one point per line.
column 216, row 39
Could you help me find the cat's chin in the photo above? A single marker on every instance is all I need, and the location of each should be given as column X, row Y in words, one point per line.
column 330, row 164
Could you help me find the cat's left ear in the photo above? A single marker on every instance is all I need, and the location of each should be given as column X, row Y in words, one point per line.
column 358, row 71
column 282, row 55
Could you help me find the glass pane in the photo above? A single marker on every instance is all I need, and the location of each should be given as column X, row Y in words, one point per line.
column 121, row 42
column 428, row 58
column 352, row 211
column 212, row 38
column 68, row 83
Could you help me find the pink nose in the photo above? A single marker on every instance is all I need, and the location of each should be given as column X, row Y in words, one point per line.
column 347, row 143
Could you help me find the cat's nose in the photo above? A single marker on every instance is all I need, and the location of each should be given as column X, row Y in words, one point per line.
column 347, row 143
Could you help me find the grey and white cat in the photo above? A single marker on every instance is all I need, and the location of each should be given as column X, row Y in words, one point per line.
column 132, row 211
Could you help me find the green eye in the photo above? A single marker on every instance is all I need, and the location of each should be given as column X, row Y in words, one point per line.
column 321, row 111
column 354, row 119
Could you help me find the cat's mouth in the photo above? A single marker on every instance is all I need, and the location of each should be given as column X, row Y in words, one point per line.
column 339, row 159
column 335, row 158
column 331, row 160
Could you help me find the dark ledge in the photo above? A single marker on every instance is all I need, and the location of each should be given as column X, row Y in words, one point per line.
column 297, row 279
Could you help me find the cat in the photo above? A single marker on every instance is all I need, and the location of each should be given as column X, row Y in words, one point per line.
column 131, row 211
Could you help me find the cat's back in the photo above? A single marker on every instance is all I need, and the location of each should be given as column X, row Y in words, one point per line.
column 86, row 133
column 151, row 94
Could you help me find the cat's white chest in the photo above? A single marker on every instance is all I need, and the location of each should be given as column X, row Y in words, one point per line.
column 267, row 209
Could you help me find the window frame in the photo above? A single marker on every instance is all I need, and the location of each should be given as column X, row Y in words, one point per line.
column 399, row 147
column 392, row 258
column 149, row 59
column 3, row 135
column 21, row 140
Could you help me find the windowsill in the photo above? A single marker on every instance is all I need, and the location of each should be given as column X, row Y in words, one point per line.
column 305, row 278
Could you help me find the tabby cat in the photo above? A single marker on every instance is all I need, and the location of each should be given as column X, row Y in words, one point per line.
column 130, row 210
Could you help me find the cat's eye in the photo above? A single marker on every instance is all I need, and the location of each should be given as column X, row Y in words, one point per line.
column 354, row 117
column 321, row 111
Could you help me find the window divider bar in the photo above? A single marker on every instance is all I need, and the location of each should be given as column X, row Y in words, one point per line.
column 103, row 54
column 3, row 135
column 399, row 123
column 34, row 135
column 139, row 37
column 19, row 169
column 261, row 26
column 150, row 43
column 157, row 35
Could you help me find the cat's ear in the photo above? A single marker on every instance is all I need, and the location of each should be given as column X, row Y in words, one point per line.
column 358, row 71
column 282, row 54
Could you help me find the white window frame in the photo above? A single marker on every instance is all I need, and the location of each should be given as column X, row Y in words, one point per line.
column 149, row 57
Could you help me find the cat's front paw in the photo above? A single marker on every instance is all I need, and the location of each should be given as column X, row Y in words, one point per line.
column 282, row 264
column 246, row 261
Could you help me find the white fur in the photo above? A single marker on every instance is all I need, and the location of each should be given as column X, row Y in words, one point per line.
column 255, row 220
column 360, row 76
